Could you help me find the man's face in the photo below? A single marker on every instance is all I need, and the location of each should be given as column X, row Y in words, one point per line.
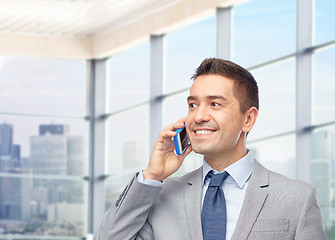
column 214, row 121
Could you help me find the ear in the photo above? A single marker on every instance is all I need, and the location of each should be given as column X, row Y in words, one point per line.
column 250, row 119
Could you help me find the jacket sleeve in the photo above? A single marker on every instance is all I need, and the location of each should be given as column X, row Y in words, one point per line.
column 128, row 218
column 310, row 225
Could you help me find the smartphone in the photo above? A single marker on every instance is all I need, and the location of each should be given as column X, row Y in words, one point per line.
column 181, row 142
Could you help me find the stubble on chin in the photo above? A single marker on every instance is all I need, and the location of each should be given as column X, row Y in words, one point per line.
column 199, row 149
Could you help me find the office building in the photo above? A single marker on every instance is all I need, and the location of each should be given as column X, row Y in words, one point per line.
column 116, row 73
column 14, row 191
column 75, row 154
column 53, row 129
column 6, row 139
column 48, row 154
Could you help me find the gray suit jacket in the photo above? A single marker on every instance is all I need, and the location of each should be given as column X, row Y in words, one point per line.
column 274, row 208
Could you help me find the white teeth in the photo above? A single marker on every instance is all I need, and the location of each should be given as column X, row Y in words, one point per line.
column 200, row 132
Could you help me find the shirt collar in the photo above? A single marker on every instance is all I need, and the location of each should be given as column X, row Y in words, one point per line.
column 240, row 171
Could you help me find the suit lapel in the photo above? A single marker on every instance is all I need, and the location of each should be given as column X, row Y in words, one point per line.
column 192, row 203
column 255, row 197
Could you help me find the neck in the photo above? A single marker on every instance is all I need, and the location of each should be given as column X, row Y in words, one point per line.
column 220, row 161
column 224, row 162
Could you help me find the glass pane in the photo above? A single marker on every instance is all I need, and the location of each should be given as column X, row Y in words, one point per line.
column 43, row 146
column 128, row 141
column 323, row 174
column 191, row 162
column 323, row 109
column 185, row 50
column 41, row 207
column 129, row 77
column 277, row 154
column 324, row 21
column 263, row 30
column 175, row 108
column 43, row 86
column 276, row 99
column 114, row 186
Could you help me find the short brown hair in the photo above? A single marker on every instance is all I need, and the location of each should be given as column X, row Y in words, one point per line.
column 245, row 86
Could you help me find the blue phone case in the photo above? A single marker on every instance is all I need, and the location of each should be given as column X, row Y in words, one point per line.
column 176, row 143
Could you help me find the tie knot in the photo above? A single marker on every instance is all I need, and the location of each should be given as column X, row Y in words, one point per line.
column 217, row 179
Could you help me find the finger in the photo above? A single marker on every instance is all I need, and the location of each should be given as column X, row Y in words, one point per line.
column 182, row 120
column 171, row 129
column 167, row 134
column 175, row 126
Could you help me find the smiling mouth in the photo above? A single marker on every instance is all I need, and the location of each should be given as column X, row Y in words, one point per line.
column 203, row 132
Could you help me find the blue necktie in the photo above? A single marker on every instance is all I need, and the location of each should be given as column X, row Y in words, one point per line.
column 214, row 214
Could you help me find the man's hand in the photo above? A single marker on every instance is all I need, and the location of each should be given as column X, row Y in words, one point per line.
column 164, row 162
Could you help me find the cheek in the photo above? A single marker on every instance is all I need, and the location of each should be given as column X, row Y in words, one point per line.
column 188, row 120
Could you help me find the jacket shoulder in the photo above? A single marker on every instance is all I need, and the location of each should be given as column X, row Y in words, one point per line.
column 277, row 183
column 276, row 179
column 178, row 182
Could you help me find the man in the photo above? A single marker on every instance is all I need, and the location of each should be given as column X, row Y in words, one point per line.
column 251, row 202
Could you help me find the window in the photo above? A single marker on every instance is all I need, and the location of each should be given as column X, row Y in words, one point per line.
column 128, row 80
column 45, row 126
column 324, row 21
column 185, row 49
column 276, row 85
column 263, row 30
column 322, row 170
column 43, row 146
column 127, row 124
column 323, row 86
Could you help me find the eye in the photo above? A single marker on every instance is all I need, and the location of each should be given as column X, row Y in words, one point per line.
column 215, row 104
column 192, row 105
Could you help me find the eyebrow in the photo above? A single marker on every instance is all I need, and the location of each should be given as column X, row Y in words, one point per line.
column 210, row 97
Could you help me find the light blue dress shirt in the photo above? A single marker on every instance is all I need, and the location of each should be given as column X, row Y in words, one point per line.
column 234, row 187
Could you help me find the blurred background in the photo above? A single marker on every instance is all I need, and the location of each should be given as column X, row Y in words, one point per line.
column 86, row 86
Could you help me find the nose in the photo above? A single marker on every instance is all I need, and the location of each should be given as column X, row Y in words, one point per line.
column 201, row 115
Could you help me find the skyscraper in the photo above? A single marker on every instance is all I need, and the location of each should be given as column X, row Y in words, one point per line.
column 75, row 155
column 55, row 152
column 10, row 154
column 14, row 191
column 48, row 154
column 53, row 129
column 16, row 199
column 6, row 139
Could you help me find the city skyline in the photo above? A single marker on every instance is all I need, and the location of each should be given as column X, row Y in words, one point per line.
column 30, row 203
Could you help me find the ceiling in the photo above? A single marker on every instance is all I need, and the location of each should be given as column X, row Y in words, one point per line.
column 75, row 18
column 78, row 18
column 91, row 28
